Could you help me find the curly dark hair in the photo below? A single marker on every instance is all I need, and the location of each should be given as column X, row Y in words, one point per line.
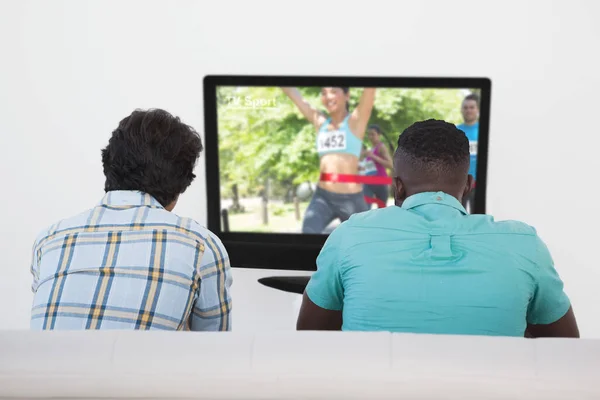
column 434, row 146
column 152, row 152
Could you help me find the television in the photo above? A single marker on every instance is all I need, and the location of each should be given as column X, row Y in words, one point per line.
column 288, row 158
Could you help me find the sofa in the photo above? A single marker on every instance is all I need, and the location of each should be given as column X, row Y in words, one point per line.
column 294, row 365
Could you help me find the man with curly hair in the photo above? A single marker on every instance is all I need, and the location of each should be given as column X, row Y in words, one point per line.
column 130, row 262
column 426, row 266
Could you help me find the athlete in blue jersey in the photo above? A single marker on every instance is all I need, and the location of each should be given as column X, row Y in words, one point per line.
column 470, row 126
column 339, row 142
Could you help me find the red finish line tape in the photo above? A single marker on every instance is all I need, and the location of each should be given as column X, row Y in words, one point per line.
column 373, row 200
column 364, row 179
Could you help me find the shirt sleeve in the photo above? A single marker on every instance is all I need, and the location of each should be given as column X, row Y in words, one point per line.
column 212, row 309
column 34, row 268
column 325, row 287
column 549, row 302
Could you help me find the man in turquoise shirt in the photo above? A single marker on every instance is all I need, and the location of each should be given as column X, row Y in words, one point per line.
column 426, row 266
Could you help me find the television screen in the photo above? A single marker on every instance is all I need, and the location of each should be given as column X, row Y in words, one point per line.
column 303, row 159
column 290, row 158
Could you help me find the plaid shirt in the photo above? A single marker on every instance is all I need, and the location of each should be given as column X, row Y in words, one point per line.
column 130, row 264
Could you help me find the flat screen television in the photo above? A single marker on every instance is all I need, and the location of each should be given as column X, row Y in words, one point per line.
column 288, row 158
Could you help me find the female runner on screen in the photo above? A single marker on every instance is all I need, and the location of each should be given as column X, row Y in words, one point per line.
column 339, row 143
column 377, row 161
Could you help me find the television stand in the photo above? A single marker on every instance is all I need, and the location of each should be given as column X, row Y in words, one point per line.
column 291, row 284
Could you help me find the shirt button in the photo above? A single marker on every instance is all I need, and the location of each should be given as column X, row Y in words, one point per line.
column 438, row 198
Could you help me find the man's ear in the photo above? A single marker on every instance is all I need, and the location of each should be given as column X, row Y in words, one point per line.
column 468, row 187
column 399, row 191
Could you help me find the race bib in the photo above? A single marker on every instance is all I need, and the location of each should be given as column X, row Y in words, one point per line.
column 361, row 168
column 473, row 148
column 331, row 141
column 370, row 167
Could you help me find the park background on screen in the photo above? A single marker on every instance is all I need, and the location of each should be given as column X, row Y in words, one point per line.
column 269, row 167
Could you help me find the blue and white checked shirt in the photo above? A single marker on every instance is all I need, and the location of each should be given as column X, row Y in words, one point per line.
column 130, row 264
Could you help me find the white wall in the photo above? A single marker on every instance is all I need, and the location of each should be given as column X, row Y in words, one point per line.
column 70, row 70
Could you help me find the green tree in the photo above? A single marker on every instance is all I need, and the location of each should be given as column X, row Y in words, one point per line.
column 263, row 135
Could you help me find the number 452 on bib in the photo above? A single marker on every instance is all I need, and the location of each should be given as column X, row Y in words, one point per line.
column 331, row 141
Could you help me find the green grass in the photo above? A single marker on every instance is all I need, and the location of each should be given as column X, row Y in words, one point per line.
column 282, row 218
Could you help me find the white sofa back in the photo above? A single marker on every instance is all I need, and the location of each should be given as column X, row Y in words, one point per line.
column 294, row 365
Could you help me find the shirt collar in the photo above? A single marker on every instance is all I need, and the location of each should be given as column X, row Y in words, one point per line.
column 129, row 198
column 441, row 198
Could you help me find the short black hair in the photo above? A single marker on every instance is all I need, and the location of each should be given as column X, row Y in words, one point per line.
column 434, row 147
column 474, row 97
column 151, row 151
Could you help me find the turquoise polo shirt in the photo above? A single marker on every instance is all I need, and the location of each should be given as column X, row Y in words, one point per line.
column 429, row 267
